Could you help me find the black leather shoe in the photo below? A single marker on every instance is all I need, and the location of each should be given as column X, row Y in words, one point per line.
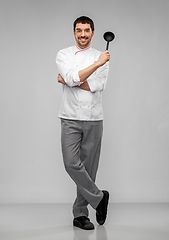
column 83, row 223
column 101, row 210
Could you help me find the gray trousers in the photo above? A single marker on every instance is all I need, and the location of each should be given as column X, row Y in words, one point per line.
column 81, row 145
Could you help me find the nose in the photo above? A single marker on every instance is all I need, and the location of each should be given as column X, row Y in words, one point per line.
column 83, row 33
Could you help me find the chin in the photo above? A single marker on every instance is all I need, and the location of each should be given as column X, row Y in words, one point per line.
column 83, row 45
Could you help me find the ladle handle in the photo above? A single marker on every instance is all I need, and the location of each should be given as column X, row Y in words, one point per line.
column 107, row 46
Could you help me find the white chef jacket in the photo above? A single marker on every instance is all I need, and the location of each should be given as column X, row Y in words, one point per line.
column 79, row 104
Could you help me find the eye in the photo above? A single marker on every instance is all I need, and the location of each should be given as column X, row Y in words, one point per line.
column 78, row 30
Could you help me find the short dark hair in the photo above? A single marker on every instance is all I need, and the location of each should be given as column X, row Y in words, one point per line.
column 84, row 19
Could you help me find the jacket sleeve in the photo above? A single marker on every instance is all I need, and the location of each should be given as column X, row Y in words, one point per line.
column 97, row 81
column 67, row 69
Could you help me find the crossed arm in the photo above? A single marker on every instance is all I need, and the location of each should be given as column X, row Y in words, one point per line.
column 83, row 86
column 85, row 73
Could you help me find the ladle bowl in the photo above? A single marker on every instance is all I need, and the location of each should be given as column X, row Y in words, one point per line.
column 108, row 36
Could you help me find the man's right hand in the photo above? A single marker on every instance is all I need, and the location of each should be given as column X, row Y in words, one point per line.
column 104, row 57
column 61, row 80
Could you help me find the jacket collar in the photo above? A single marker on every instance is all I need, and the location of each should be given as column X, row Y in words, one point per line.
column 81, row 49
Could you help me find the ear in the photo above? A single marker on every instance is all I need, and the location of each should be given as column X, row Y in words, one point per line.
column 74, row 32
column 92, row 33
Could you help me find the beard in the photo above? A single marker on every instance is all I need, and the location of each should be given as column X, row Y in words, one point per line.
column 83, row 41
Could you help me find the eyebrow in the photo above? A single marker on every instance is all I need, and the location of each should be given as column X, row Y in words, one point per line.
column 81, row 29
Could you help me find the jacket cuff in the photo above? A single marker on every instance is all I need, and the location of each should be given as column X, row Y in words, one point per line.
column 76, row 80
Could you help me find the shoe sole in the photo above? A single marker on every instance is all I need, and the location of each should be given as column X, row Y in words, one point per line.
column 106, row 201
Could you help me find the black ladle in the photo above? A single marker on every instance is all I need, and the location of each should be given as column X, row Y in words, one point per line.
column 108, row 36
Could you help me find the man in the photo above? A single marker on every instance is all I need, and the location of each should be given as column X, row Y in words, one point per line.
column 83, row 71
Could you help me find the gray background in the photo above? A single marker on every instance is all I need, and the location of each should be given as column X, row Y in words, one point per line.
column 135, row 153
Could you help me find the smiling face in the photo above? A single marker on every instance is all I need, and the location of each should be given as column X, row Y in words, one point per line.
column 83, row 35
